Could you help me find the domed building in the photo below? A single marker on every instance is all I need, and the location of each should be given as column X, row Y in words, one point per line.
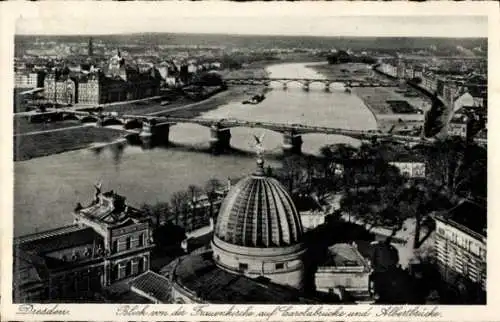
column 258, row 232
column 257, row 255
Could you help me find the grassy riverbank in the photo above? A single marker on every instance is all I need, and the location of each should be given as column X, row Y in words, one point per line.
column 33, row 146
column 376, row 98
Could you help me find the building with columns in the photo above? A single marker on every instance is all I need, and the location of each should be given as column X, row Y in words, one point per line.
column 108, row 242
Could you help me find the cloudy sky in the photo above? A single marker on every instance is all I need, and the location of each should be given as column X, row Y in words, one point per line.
column 244, row 20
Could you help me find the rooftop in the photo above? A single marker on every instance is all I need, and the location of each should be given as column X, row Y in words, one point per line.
column 36, row 254
column 200, row 276
column 56, row 239
column 154, row 285
column 467, row 216
column 109, row 208
column 343, row 255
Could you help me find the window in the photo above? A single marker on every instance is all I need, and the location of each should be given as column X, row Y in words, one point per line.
column 135, row 266
column 280, row 266
column 141, row 240
column 128, row 268
column 127, row 243
column 243, row 266
column 121, row 270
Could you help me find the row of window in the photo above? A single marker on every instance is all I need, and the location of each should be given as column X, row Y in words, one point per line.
column 244, row 266
column 129, row 268
column 465, row 243
column 129, row 242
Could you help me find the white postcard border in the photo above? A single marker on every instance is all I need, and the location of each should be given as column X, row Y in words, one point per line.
column 110, row 312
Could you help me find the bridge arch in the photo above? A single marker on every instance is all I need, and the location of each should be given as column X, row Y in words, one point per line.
column 111, row 121
column 89, row 119
column 133, row 124
column 71, row 117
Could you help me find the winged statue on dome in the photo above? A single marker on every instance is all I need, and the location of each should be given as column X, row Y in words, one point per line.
column 258, row 144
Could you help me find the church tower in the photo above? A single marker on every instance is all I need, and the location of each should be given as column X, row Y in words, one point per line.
column 90, row 48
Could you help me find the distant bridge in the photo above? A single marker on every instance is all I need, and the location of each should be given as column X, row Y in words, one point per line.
column 306, row 82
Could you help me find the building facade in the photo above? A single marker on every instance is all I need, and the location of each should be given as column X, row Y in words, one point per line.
column 27, row 80
column 108, row 242
column 344, row 269
column 410, row 169
column 120, row 82
column 60, row 89
column 461, row 247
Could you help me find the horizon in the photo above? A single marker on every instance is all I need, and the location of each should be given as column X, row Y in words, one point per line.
column 241, row 35
column 309, row 26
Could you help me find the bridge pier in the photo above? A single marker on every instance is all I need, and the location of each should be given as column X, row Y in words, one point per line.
column 285, row 86
column 220, row 138
column 306, row 86
column 153, row 134
column 100, row 120
column 327, row 87
column 292, row 143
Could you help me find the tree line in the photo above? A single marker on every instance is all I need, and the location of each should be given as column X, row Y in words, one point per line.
column 378, row 194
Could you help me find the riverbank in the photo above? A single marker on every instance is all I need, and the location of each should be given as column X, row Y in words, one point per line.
column 44, row 144
column 377, row 99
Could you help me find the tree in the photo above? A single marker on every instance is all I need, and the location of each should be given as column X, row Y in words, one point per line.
column 209, row 79
column 292, row 172
column 458, row 167
column 211, row 188
column 179, row 201
column 158, row 211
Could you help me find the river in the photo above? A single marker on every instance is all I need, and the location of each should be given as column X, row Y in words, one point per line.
column 47, row 189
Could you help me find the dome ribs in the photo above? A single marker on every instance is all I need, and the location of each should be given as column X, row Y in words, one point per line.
column 241, row 209
column 256, row 220
column 247, row 216
column 267, row 223
column 296, row 229
column 258, row 212
column 277, row 234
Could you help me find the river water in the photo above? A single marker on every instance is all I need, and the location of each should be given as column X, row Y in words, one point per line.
column 47, row 189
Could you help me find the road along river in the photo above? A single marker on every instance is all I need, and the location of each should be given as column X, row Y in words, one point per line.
column 47, row 189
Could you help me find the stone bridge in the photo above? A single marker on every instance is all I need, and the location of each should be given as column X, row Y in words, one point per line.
column 157, row 129
column 306, row 82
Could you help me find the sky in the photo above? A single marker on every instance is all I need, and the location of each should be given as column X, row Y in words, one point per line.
column 270, row 22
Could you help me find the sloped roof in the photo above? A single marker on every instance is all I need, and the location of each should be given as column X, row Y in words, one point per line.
column 201, row 276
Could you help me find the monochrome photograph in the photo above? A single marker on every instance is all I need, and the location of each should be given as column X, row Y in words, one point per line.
column 250, row 160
